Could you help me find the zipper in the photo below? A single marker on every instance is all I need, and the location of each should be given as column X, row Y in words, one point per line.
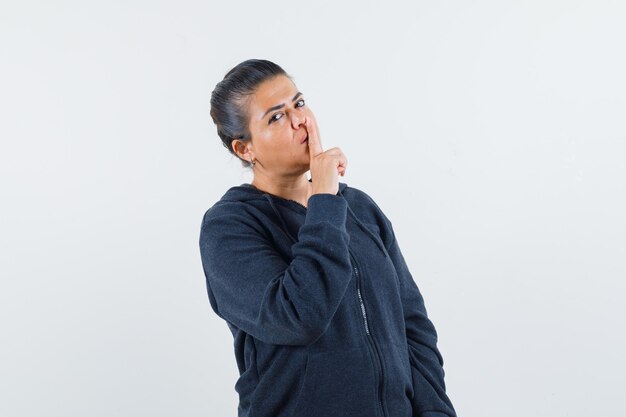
column 370, row 337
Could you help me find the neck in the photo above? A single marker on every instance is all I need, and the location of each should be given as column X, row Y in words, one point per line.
column 291, row 188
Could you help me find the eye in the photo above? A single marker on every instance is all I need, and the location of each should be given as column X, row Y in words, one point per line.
column 273, row 118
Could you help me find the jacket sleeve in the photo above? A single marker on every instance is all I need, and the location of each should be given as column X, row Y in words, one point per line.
column 430, row 398
column 251, row 286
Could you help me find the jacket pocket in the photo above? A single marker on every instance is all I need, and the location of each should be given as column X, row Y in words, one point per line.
column 338, row 383
column 301, row 391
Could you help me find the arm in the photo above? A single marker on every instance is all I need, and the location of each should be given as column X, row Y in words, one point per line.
column 252, row 286
column 430, row 398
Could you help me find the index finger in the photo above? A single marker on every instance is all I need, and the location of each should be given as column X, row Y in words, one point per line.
column 315, row 145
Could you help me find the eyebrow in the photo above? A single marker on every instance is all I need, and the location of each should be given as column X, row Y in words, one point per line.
column 280, row 106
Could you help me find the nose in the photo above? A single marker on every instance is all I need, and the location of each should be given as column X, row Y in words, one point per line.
column 297, row 119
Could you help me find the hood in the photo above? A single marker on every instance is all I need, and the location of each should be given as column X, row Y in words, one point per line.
column 248, row 193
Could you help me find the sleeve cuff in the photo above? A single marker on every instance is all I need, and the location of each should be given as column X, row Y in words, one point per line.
column 324, row 207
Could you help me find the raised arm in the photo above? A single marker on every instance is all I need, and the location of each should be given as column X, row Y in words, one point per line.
column 251, row 286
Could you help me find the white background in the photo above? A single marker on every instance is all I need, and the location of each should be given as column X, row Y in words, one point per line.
column 491, row 133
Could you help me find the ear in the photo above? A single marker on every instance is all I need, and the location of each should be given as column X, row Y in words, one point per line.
column 243, row 149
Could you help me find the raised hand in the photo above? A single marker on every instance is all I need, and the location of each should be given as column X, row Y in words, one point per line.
column 325, row 166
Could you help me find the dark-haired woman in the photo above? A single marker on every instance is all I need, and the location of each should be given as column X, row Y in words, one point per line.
column 307, row 273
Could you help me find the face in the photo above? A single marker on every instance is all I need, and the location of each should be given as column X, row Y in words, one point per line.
column 276, row 122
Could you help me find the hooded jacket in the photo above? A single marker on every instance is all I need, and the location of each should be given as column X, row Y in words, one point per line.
column 326, row 318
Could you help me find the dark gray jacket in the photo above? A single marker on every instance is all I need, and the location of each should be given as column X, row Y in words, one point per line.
column 326, row 318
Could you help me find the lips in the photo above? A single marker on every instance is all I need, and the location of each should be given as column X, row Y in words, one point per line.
column 305, row 139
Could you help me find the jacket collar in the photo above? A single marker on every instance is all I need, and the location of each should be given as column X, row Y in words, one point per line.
column 248, row 193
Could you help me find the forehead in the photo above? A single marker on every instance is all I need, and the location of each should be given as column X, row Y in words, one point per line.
column 269, row 93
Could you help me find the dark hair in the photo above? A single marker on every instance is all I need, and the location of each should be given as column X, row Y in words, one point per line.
column 229, row 100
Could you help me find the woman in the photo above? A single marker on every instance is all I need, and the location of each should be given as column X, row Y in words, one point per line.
column 307, row 273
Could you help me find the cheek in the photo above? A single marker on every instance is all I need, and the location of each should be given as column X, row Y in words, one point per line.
column 276, row 143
